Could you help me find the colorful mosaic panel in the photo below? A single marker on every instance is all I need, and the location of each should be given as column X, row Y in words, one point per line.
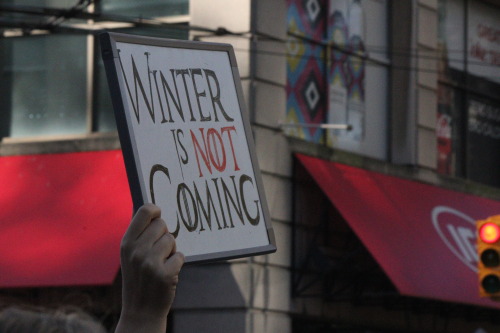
column 306, row 68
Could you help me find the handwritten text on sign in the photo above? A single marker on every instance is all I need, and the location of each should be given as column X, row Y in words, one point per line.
column 185, row 114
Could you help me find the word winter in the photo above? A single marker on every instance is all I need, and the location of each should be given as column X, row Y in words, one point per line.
column 183, row 82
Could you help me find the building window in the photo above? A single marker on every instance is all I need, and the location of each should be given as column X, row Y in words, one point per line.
column 45, row 90
column 338, row 66
column 52, row 77
column 468, row 128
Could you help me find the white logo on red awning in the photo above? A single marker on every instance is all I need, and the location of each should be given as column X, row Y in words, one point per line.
column 458, row 231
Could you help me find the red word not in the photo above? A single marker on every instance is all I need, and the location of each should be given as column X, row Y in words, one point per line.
column 213, row 151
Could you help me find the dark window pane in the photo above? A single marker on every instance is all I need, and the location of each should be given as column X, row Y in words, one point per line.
column 45, row 3
column 44, row 80
column 105, row 120
column 483, row 141
column 149, row 8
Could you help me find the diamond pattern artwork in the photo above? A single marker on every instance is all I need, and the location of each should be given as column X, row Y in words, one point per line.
column 313, row 11
column 306, row 68
column 312, row 95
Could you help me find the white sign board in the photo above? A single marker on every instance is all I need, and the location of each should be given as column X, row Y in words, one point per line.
column 187, row 143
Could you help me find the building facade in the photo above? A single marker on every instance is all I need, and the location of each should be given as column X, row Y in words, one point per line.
column 411, row 88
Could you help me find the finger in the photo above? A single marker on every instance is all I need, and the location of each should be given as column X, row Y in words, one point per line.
column 164, row 247
column 141, row 220
column 154, row 231
column 174, row 264
column 174, row 248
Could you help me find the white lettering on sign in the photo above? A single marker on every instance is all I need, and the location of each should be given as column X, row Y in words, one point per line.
column 464, row 238
column 188, row 145
column 484, row 119
column 457, row 230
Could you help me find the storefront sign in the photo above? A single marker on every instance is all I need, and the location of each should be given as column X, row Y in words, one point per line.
column 187, row 143
column 422, row 236
column 458, row 232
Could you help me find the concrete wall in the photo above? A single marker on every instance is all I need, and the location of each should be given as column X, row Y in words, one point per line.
column 253, row 294
column 414, row 83
column 427, row 23
column 272, row 303
column 402, row 96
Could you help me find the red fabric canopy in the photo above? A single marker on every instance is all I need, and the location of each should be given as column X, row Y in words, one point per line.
column 422, row 236
column 62, row 217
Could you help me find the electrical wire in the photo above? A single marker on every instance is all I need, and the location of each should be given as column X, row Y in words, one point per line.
column 78, row 11
column 99, row 17
column 80, row 6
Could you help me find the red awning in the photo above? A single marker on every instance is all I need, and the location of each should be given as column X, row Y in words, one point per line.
column 422, row 236
column 62, row 217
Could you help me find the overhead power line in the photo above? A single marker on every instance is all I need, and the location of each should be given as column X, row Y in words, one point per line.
column 56, row 18
column 78, row 12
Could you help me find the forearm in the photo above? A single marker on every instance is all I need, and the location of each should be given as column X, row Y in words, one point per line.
column 150, row 271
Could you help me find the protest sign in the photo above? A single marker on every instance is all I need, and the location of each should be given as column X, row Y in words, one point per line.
column 187, row 143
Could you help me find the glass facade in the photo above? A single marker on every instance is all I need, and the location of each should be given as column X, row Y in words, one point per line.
column 54, row 84
column 148, row 8
column 468, row 120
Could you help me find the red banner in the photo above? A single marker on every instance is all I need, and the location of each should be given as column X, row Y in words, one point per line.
column 422, row 236
column 62, row 218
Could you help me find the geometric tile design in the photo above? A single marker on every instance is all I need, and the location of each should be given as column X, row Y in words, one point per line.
column 313, row 11
column 311, row 76
column 312, row 95
column 306, row 67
